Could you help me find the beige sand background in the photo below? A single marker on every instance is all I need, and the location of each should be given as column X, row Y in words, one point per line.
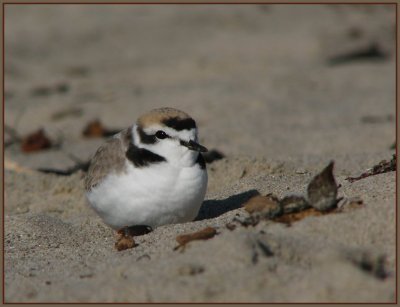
column 264, row 86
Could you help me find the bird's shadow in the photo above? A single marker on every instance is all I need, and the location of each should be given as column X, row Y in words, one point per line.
column 213, row 208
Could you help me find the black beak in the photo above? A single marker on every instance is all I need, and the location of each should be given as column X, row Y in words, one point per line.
column 192, row 145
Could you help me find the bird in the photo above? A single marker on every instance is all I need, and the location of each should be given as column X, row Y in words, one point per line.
column 150, row 174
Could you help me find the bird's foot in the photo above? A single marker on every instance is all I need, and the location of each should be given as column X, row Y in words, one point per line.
column 124, row 240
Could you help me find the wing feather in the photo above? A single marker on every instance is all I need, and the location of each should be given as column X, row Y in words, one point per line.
column 110, row 157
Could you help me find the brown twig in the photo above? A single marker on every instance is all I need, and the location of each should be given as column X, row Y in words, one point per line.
column 382, row 167
column 204, row 234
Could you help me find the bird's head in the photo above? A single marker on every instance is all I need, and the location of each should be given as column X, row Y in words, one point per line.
column 169, row 133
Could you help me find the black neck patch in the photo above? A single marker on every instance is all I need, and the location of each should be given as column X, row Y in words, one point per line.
column 200, row 161
column 180, row 124
column 141, row 157
column 146, row 138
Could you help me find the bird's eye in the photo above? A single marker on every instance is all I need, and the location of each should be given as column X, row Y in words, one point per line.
column 161, row 134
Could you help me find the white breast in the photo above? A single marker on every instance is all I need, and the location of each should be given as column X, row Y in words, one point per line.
column 156, row 195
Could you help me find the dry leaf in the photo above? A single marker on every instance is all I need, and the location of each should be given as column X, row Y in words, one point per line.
column 294, row 203
column 260, row 203
column 289, row 218
column 35, row 141
column 322, row 190
column 251, row 220
column 96, row 129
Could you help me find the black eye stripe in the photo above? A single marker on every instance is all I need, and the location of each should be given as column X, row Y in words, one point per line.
column 180, row 124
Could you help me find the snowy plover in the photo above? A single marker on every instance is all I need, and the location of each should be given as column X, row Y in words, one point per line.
column 149, row 174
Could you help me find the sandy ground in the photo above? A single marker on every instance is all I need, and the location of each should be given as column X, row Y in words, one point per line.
column 280, row 90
